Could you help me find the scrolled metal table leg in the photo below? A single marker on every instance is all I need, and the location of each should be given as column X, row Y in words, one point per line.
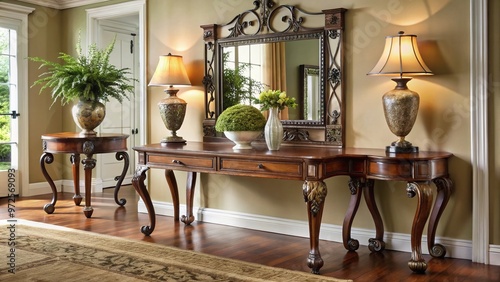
column 121, row 156
column 49, row 158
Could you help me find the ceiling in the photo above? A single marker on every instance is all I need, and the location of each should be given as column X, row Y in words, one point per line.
column 62, row 4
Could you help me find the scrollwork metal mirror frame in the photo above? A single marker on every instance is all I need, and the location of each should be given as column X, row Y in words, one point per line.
column 330, row 129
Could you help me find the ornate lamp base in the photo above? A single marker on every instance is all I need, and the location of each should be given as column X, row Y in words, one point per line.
column 172, row 111
column 400, row 110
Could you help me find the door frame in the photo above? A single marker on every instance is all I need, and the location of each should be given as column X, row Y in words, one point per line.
column 21, row 13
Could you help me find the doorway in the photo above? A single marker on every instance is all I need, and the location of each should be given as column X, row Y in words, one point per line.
column 124, row 22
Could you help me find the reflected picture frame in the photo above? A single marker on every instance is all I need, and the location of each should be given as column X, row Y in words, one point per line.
column 309, row 84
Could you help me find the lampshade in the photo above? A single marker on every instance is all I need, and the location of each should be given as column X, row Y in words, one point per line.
column 170, row 71
column 401, row 57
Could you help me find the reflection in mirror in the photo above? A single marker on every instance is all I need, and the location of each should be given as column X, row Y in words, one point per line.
column 251, row 69
column 309, row 80
column 242, row 75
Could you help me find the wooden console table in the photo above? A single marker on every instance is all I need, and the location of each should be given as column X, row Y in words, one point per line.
column 312, row 165
column 76, row 144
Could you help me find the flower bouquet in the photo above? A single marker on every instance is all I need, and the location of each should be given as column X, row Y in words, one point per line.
column 275, row 99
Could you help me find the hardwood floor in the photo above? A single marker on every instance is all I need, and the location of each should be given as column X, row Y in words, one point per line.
column 243, row 244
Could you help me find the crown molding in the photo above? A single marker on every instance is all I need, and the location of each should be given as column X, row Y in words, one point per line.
column 62, row 4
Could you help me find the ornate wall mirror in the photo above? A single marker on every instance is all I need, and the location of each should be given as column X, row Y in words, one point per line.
column 279, row 47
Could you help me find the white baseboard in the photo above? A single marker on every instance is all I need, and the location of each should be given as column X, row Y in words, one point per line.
column 455, row 248
column 95, row 186
column 41, row 188
column 64, row 185
column 494, row 254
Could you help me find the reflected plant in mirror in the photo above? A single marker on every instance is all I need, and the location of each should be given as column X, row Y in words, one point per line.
column 239, row 87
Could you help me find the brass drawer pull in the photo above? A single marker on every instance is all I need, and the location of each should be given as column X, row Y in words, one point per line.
column 261, row 166
column 177, row 162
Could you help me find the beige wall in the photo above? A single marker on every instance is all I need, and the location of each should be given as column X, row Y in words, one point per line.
column 443, row 122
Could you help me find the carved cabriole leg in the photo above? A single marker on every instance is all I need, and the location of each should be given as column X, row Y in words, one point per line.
column 140, row 188
column 356, row 192
column 314, row 194
column 75, row 161
column 49, row 158
column 423, row 192
column 88, row 165
column 172, row 184
column 376, row 244
column 444, row 189
column 191, row 181
column 121, row 156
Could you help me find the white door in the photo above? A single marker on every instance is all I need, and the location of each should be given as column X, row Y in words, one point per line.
column 120, row 117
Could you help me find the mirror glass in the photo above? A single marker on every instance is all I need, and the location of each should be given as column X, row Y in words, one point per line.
column 250, row 69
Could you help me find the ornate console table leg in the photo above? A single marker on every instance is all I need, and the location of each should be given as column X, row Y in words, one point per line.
column 174, row 191
column 138, row 183
column 424, row 193
column 121, row 156
column 444, row 189
column 314, row 194
column 356, row 192
column 88, row 165
column 376, row 244
column 49, row 158
column 190, row 187
column 75, row 161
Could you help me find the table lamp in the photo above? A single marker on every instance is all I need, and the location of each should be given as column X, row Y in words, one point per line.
column 171, row 72
column 401, row 57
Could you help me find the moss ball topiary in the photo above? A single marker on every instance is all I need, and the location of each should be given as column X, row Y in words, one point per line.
column 240, row 118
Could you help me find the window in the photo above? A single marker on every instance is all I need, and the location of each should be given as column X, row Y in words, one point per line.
column 8, row 88
column 242, row 74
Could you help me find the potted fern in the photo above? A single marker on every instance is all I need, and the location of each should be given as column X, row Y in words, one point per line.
column 90, row 79
column 241, row 124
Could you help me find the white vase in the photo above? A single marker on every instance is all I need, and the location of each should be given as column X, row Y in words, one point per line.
column 273, row 131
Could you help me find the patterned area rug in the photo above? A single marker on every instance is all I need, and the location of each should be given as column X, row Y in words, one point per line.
column 43, row 252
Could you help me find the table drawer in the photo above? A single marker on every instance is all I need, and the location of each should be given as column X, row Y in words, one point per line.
column 182, row 162
column 262, row 168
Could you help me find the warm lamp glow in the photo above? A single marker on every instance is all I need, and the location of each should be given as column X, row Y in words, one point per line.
column 401, row 57
column 170, row 71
